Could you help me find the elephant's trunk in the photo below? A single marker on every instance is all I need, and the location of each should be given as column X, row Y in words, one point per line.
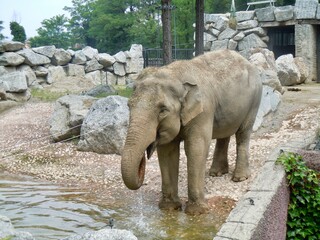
column 139, row 138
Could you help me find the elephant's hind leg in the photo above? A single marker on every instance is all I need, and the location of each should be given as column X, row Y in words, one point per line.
column 242, row 171
column 168, row 156
column 220, row 158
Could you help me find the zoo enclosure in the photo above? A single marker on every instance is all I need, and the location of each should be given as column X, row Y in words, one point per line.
column 154, row 56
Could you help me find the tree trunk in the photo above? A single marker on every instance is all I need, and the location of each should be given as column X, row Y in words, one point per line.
column 166, row 28
column 199, row 26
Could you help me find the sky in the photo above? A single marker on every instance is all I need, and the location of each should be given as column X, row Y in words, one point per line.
column 30, row 13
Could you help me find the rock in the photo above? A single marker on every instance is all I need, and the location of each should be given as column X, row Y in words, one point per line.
column 284, row 13
column 212, row 18
column 79, row 58
column 104, row 129
column 105, row 234
column 119, row 69
column 287, row 70
column 19, row 97
column 61, row 57
column 244, row 15
column 47, row 51
column 99, row 90
column 239, row 36
column 265, row 14
column 7, row 231
column 67, row 117
column 32, row 58
column 306, row 9
column 92, row 65
column 135, row 61
column 75, row 70
column 97, row 77
column 270, row 101
column 232, row 44
column 303, row 69
column 261, row 32
column 16, row 82
column 30, row 75
column 41, row 71
column 120, row 57
column 55, row 73
column 90, row 52
column 111, row 78
column 219, row 44
column 10, row 59
column 227, row 34
column 247, row 24
column 106, row 60
column 5, row 70
column 318, row 12
column 222, row 23
column 11, row 46
column 251, row 41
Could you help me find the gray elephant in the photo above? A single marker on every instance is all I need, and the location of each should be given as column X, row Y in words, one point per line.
column 212, row 96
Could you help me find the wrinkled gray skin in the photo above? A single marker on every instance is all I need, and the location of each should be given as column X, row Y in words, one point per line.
column 212, row 96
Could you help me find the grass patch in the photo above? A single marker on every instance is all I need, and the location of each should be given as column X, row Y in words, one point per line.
column 124, row 91
column 47, row 96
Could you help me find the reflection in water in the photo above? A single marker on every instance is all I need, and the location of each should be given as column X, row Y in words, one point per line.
column 53, row 212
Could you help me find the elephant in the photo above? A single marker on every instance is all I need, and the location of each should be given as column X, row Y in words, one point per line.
column 212, row 96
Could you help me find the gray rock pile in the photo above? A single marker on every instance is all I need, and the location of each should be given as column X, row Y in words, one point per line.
column 22, row 68
column 249, row 33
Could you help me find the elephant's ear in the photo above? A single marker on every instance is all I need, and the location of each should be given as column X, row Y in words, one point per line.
column 191, row 103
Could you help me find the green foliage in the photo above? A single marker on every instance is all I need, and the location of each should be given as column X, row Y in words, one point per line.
column 304, row 208
column 18, row 32
column 45, row 95
column 1, row 28
column 53, row 32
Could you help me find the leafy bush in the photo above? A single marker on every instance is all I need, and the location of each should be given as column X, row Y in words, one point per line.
column 304, row 208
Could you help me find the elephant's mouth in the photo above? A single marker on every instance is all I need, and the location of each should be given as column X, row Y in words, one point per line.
column 151, row 148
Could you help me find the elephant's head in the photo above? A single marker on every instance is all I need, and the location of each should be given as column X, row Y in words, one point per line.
column 161, row 103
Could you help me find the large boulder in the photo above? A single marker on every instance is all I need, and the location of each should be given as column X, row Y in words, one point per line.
column 67, row 117
column 32, row 58
column 105, row 234
column 100, row 90
column 251, row 41
column 16, row 82
column 7, row 231
column 61, row 57
column 288, row 72
column 105, row 127
column 11, row 46
column 270, row 100
column 45, row 50
column 10, row 59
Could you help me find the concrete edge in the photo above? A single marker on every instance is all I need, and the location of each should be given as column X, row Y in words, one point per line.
column 262, row 212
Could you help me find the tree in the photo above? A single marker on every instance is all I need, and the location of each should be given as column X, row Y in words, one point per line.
column 199, row 27
column 111, row 23
column 18, row 32
column 53, row 32
column 166, row 31
column 79, row 23
column 1, row 28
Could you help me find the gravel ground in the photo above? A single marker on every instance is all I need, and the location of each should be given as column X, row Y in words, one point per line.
column 26, row 148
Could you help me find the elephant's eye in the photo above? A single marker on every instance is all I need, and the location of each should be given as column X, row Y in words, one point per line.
column 163, row 111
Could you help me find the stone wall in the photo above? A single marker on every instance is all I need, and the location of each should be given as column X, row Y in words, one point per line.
column 24, row 68
column 251, row 31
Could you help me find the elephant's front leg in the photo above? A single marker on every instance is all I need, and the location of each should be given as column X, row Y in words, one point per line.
column 197, row 148
column 168, row 156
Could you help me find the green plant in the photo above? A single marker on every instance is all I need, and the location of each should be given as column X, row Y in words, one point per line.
column 45, row 95
column 124, row 91
column 304, row 207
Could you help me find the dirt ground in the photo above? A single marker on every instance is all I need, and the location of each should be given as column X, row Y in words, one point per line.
column 26, row 148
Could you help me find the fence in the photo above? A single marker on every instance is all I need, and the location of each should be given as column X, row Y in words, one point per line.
column 154, row 56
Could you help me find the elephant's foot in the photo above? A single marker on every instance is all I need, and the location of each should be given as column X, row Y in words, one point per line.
column 193, row 208
column 168, row 204
column 218, row 171
column 239, row 176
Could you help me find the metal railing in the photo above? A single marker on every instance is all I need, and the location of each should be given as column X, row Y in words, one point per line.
column 154, row 56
